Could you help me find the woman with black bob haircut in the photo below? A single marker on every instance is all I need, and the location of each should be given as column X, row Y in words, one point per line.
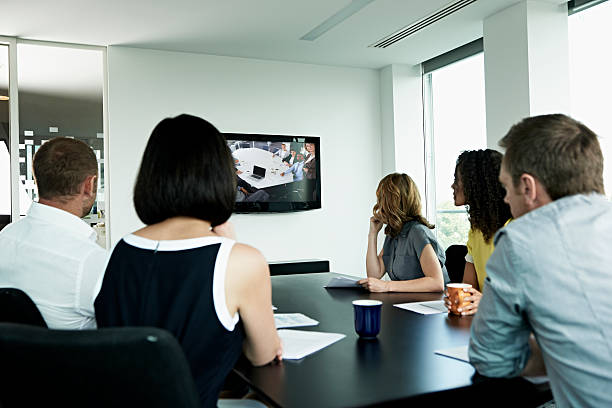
column 184, row 272
column 477, row 187
column 186, row 170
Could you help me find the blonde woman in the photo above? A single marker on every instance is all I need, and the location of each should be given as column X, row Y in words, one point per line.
column 411, row 255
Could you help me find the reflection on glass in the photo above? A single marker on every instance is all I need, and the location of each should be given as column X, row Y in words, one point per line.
column 60, row 94
column 458, row 118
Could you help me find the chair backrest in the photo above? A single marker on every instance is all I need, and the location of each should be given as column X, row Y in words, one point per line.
column 114, row 367
column 295, row 267
column 455, row 262
column 17, row 307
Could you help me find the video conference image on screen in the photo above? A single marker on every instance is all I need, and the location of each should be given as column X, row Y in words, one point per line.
column 275, row 171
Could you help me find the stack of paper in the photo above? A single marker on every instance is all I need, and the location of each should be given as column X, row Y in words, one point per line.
column 431, row 307
column 343, row 282
column 298, row 344
column 283, row 320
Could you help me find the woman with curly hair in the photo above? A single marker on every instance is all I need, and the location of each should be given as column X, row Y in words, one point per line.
column 411, row 255
column 477, row 187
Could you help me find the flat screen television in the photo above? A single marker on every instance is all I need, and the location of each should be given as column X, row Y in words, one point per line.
column 276, row 173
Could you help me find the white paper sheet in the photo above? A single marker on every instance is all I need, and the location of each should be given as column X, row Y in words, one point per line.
column 342, row 282
column 283, row 320
column 458, row 353
column 298, row 344
column 430, row 307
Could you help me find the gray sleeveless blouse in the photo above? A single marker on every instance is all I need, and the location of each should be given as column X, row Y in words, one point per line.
column 401, row 255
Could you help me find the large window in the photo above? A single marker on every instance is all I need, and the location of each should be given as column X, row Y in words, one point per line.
column 455, row 121
column 591, row 76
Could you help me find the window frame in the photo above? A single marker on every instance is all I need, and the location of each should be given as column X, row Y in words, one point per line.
column 428, row 67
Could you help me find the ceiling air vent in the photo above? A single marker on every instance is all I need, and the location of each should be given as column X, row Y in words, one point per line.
column 422, row 23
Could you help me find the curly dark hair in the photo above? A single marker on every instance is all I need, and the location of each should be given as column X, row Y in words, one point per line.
column 484, row 194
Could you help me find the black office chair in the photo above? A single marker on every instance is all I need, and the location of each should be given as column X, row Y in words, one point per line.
column 114, row 367
column 17, row 307
column 455, row 262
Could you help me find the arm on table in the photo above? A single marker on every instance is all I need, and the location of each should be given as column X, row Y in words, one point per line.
column 499, row 344
column 469, row 276
column 535, row 365
column 248, row 290
column 433, row 280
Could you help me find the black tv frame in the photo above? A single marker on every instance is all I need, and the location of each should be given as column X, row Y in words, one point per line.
column 281, row 206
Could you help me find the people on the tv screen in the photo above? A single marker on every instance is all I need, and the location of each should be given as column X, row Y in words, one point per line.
column 290, row 158
column 282, row 152
column 297, row 168
column 310, row 165
column 247, row 193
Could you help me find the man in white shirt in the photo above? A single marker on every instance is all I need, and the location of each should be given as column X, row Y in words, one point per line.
column 52, row 254
column 282, row 152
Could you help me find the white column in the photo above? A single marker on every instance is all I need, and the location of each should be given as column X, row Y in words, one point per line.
column 526, row 64
column 402, row 122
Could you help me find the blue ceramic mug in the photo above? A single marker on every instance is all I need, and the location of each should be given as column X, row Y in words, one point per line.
column 367, row 318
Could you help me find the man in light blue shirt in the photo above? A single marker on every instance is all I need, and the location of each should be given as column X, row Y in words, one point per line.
column 296, row 168
column 551, row 271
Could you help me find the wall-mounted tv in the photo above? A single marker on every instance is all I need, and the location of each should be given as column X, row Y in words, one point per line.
column 276, row 173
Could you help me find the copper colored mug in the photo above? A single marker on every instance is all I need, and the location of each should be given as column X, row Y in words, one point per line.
column 456, row 295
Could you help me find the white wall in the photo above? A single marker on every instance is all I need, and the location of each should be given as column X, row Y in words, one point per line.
column 341, row 105
column 526, row 64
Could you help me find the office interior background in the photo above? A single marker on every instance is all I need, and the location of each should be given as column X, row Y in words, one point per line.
column 388, row 85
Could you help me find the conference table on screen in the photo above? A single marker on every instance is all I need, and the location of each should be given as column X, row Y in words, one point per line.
column 399, row 366
column 250, row 157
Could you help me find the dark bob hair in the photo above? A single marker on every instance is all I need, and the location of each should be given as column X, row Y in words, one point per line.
column 186, row 170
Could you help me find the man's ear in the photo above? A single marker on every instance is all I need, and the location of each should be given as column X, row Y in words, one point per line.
column 528, row 187
column 90, row 185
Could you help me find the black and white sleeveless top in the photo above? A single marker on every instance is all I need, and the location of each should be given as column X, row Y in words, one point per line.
column 179, row 286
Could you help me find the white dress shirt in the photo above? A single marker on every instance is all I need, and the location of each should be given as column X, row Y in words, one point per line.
column 52, row 256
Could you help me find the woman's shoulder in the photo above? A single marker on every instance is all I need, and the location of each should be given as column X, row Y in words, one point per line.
column 415, row 228
column 244, row 252
column 247, row 264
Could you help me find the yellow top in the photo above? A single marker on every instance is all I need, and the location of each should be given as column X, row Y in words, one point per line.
column 480, row 252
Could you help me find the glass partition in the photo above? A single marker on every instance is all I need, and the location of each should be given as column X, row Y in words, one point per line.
column 60, row 94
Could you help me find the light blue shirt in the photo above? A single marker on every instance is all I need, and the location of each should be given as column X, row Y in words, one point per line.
column 551, row 274
column 297, row 169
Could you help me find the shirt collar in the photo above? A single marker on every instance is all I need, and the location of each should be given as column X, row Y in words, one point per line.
column 406, row 228
column 62, row 219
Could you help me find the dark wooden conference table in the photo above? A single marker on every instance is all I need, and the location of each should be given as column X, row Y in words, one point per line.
column 398, row 367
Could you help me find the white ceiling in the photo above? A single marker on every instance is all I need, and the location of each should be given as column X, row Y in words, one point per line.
column 265, row 29
column 66, row 72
